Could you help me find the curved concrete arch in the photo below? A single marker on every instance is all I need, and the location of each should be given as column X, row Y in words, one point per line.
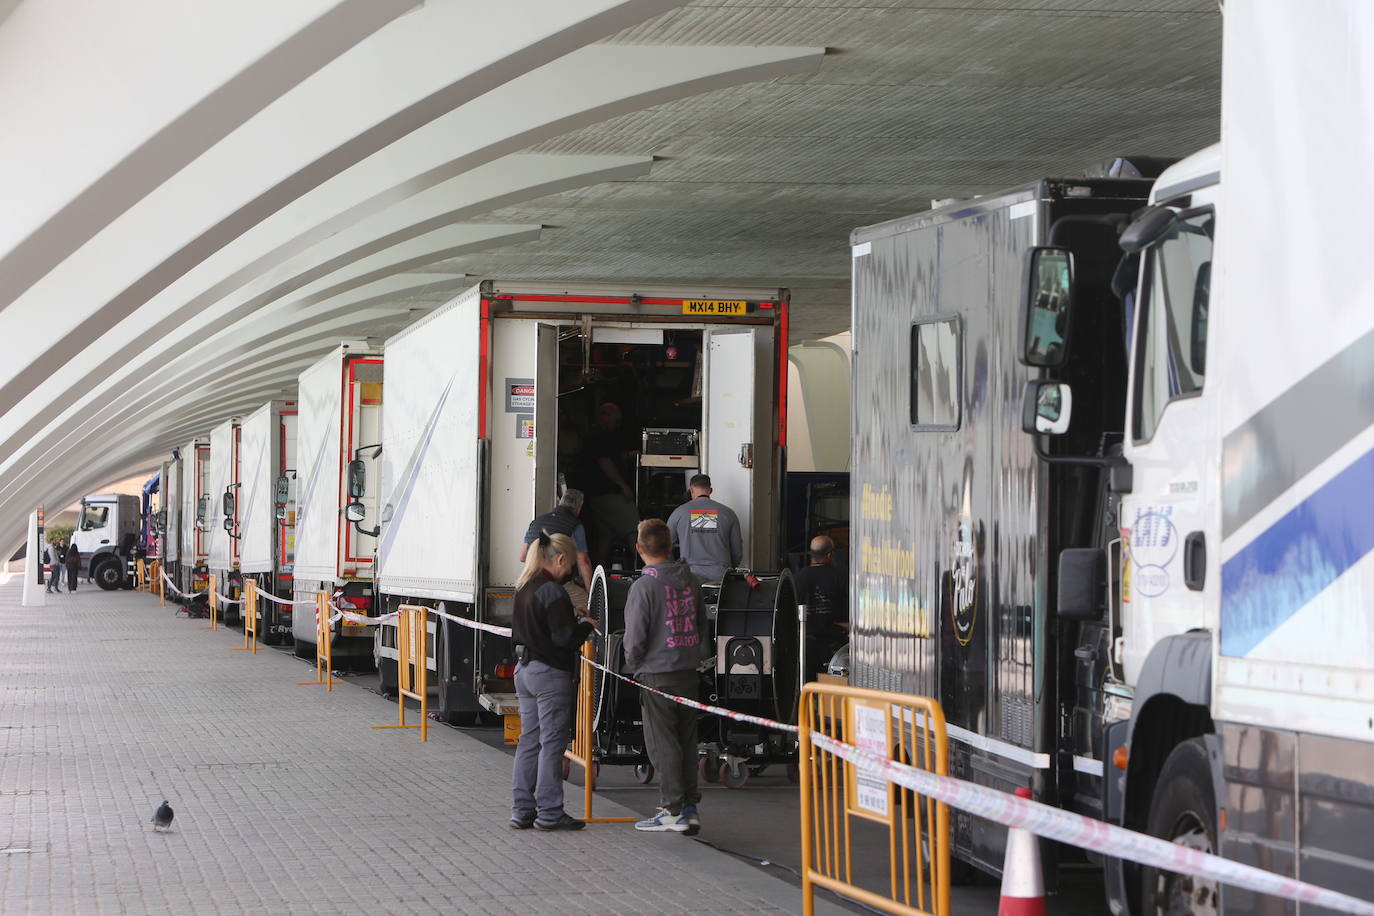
column 511, row 179
column 120, row 139
column 364, row 100
column 545, row 108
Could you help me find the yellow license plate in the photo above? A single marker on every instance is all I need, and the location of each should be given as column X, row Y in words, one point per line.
column 712, row 307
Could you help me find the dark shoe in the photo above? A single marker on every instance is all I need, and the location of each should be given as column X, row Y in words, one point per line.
column 522, row 823
column 566, row 822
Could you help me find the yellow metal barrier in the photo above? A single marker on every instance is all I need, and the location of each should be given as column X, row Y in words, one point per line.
column 582, row 751
column 161, row 592
column 835, row 794
column 213, row 603
column 412, row 669
column 250, row 620
column 140, row 575
column 324, row 652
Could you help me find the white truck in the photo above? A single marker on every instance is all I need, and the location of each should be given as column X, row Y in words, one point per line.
column 266, row 510
column 193, row 515
column 168, row 518
column 222, row 520
column 489, row 400
column 338, row 442
column 108, row 531
column 1159, row 613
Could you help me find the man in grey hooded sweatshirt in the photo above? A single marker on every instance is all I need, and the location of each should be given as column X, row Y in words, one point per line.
column 666, row 638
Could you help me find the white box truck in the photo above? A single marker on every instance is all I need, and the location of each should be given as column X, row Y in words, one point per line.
column 195, row 516
column 489, row 402
column 266, row 509
column 338, row 433
column 167, row 520
column 108, row 531
column 1155, row 605
column 222, row 519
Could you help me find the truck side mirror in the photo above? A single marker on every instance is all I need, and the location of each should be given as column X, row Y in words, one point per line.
column 281, row 496
column 160, row 522
column 229, row 524
column 1148, row 229
column 228, row 504
column 355, row 512
column 357, row 478
column 1082, row 583
column 1046, row 408
column 203, row 513
column 1048, row 307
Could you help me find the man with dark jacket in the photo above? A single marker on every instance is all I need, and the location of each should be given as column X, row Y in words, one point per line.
column 566, row 518
column 53, row 553
column 666, row 638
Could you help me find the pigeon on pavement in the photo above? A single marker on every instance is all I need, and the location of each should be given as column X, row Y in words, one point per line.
column 162, row 817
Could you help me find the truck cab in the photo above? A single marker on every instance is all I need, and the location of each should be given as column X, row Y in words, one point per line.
column 107, row 534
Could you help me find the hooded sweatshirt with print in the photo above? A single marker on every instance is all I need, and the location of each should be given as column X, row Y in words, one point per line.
column 665, row 620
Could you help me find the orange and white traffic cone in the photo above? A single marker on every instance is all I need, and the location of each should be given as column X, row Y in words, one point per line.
column 1023, row 883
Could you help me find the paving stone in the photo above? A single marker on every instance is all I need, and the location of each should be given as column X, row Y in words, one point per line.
column 286, row 800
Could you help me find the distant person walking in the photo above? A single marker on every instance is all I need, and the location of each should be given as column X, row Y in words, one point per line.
column 72, row 559
column 547, row 634
column 706, row 532
column 665, row 640
column 54, row 555
column 566, row 519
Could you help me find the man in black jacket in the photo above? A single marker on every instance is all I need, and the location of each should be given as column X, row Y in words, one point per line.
column 566, row 518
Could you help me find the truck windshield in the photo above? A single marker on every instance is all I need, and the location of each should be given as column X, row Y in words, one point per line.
column 93, row 517
column 1172, row 359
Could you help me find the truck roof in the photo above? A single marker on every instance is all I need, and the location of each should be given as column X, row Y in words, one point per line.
column 1199, row 170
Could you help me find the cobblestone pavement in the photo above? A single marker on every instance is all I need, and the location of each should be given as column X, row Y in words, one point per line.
column 286, row 801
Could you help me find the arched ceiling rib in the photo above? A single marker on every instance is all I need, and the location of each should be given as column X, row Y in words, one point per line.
column 191, row 234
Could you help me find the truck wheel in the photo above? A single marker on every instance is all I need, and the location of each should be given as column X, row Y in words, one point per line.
column 1183, row 811
column 108, row 575
column 305, row 650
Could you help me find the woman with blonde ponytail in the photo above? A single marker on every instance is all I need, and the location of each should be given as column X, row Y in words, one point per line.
column 547, row 634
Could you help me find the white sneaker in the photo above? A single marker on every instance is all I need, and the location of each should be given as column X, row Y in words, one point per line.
column 663, row 822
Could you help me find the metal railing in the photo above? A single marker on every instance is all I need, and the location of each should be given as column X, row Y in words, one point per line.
column 250, row 619
column 324, row 652
column 412, row 665
column 835, row 794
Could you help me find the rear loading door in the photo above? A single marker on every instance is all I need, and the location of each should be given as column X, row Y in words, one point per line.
column 429, row 456
column 733, row 445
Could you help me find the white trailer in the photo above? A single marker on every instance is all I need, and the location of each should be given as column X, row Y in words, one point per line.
column 266, row 507
column 488, row 399
column 169, row 516
column 195, row 516
column 339, row 423
column 222, row 521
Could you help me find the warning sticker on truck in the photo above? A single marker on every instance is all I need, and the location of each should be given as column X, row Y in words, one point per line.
column 713, row 307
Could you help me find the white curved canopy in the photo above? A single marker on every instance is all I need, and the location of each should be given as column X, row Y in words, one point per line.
column 204, row 197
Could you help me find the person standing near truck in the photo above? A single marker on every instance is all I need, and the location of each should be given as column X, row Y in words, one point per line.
column 547, row 633
column 53, row 554
column 72, row 559
column 608, row 481
column 824, row 590
column 665, row 640
column 706, row 532
column 565, row 519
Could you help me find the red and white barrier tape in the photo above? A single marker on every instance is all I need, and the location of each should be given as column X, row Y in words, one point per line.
column 1088, row 833
column 703, row 707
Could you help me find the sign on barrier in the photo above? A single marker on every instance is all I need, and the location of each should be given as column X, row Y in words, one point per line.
column 324, row 652
column 888, row 726
column 412, row 668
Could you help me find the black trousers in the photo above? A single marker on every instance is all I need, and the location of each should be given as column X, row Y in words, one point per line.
column 72, row 570
column 670, row 737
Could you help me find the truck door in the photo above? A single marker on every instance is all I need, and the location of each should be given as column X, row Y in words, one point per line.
column 1167, row 555
column 546, row 421
column 733, row 446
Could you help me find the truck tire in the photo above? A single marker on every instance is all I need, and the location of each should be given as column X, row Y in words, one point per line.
column 108, row 574
column 1183, row 810
column 305, row 650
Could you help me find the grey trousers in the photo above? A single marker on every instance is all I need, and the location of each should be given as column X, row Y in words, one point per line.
column 546, row 701
column 670, row 737
column 55, row 577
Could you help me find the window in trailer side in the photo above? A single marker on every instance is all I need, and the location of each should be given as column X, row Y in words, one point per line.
column 935, row 375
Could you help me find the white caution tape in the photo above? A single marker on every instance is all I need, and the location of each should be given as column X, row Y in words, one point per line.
column 1088, row 833
column 225, row 600
column 274, row 599
column 172, row 585
column 472, row 624
column 704, row 707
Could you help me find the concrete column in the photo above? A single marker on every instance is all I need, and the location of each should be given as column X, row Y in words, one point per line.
column 33, row 562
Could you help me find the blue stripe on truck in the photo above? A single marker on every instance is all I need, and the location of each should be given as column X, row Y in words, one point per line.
column 1297, row 558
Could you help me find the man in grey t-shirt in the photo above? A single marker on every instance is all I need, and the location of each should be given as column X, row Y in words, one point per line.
column 706, row 532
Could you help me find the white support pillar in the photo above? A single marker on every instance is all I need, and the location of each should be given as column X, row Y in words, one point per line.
column 33, row 562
